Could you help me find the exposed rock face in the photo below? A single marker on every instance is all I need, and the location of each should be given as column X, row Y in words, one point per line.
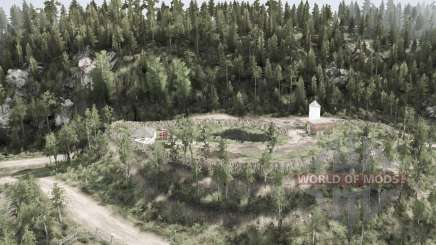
column 112, row 57
column 65, row 115
column 338, row 76
column 17, row 78
column 5, row 111
column 86, row 65
column 431, row 111
column 61, row 119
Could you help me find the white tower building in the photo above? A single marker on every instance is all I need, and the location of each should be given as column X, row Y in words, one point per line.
column 314, row 111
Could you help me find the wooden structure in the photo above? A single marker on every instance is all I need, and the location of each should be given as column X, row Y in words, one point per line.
column 163, row 134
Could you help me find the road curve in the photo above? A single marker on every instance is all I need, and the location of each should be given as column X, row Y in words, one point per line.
column 87, row 212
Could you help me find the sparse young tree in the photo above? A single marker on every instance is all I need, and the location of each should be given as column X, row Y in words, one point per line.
column 272, row 137
column 301, row 100
column 28, row 237
column 174, row 148
column 107, row 116
column 279, row 197
column 48, row 104
column 204, row 139
column 103, row 86
column 196, row 168
column 265, row 164
column 67, row 139
column 185, row 133
column 223, row 171
column 389, row 147
column 317, row 224
column 249, row 177
column 256, row 74
column 125, row 149
column 223, row 176
column 19, row 112
column 181, row 83
column 29, row 209
column 57, row 200
column 92, row 125
column 222, row 150
column 51, row 146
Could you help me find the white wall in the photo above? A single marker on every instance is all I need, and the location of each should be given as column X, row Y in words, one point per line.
column 314, row 113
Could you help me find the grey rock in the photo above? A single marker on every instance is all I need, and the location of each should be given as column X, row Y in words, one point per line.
column 5, row 111
column 431, row 111
column 86, row 65
column 64, row 116
column 67, row 103
column 61, row 119
column 336, row 75
column 17, row 78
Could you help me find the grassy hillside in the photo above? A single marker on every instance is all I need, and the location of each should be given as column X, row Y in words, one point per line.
column 224, row 198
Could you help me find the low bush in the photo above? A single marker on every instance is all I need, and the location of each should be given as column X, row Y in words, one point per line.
column 179, row 213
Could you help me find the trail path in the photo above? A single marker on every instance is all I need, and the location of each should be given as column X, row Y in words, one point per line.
column 84, row 210
column 87, row 212
column 7, row 180
column 9, row 167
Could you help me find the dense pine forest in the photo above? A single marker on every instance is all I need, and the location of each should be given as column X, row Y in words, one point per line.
column 114, row 95
column 149, row 61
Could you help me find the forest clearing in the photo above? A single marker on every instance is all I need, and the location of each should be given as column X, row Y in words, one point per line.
column 186, row 122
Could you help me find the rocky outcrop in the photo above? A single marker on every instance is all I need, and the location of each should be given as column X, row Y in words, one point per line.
column 5, row 111
column 431, row 111
column 64, row 116
column 17, row 78
column 338, row 76
column 86, row 65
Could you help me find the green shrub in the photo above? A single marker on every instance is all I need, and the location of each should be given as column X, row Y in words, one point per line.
column 178, row 213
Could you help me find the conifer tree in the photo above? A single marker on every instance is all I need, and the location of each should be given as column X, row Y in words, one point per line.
column 301, row 100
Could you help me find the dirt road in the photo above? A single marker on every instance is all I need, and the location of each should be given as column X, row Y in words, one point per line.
column 87, row 212
column 9, row 167
column 84, row 210
column 7, row 180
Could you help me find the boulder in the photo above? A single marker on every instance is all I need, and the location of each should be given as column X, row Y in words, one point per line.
column 336, row 75
column 86, row 65
column 431, row 111
column 64, row 116
column 17, row 78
